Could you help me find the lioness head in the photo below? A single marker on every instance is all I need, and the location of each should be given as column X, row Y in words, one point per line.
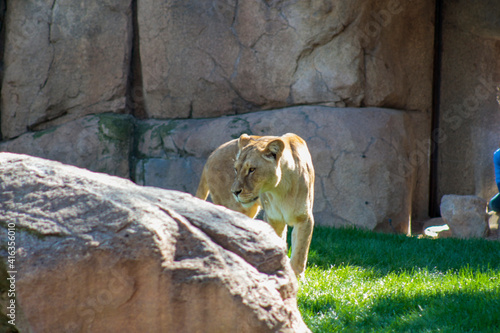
column 257, row 167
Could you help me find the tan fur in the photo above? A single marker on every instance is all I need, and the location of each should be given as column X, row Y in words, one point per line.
column 217, row 177
column 275, row 172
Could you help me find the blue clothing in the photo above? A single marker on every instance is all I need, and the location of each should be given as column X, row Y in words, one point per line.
column 496, row 162
column 495, row 201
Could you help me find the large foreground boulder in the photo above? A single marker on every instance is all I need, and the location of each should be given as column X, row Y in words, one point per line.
column 97, row 253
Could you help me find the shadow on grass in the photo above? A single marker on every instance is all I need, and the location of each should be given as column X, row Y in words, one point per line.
column 439, row 311
column 429, row 313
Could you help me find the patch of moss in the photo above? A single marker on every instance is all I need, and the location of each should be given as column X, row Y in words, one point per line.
column 238, row 123
column 39, row 134
column 157, row 131
column 115, row 126
column 165, row 129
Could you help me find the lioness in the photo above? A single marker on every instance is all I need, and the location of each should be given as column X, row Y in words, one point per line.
column 275, row 172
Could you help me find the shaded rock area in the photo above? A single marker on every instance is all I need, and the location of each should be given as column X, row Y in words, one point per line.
column 368, row 168
column 99, row 253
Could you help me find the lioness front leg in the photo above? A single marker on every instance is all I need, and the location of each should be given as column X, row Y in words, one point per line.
column 301, row 240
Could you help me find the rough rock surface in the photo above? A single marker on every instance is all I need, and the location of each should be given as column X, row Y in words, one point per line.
column 216, row 58
column 98, row 253
column 63, row 59
column 465, row 215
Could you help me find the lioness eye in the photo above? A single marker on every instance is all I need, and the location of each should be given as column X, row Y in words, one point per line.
column 251, row 170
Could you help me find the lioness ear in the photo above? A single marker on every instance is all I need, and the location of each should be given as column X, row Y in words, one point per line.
column 274, row 149
column 243, row 141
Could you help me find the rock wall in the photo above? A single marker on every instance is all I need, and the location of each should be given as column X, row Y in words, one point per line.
column 64, row 59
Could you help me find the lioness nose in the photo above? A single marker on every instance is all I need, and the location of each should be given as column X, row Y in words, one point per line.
column 236, row 192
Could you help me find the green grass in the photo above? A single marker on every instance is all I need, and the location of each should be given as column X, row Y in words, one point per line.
column 358, row 281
